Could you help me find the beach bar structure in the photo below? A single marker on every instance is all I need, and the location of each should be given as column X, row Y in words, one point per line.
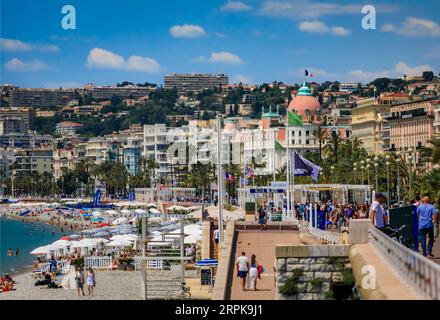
column 158, row 282
column 165, row 195
column 338, row 193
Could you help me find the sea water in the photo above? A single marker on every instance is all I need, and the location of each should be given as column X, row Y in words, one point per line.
column 17, row 234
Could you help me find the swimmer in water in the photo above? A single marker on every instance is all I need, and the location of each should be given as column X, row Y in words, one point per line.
column 10, row 252
column 17, row 252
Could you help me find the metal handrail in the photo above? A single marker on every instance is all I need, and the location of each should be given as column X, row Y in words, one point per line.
column 321, row 235
column 420, row 272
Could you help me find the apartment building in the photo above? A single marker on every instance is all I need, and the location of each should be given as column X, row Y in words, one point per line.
column 64, row 159
column 185, row 83
column 29, row 97
column 409, row 125
column 39, row 160
column 368, row 124
column 67, row 128
column 128, row 92
column 15, row 120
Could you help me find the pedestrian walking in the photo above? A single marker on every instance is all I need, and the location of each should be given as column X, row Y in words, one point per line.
column 253, row 273
column 242, row 269
column 426, row 216
column 91, row 281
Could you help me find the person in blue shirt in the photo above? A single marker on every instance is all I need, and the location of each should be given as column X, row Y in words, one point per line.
column 426, row 217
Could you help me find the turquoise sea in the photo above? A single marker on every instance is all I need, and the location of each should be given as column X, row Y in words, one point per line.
column 26, row 237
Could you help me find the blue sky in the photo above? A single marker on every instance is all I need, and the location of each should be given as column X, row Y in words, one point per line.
column 253, row 41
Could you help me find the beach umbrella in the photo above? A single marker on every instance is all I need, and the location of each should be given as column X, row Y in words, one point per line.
column 44, row 250
column 120, row 221
column 97, row 213
column 66, row 238
column 102, row 234
column 154, row 211
column 192, row 239
column 151, row 204
column 140, row 211
column 72, row 237
column 62, row 243
column 97, row 219
column 40, row 250
column 125, row 211
column 118, row 243
column 104, row 225
column 26, row 212
column 111, row 212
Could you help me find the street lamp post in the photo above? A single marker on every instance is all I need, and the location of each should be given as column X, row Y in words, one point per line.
column 388, row 180
column 368, row 173
column 376, row 165
column 362, row 170
column 332, row 168
column 354, row 170
column 398, row 176
column 410, row 162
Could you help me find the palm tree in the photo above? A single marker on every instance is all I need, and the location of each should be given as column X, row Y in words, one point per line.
column 432, row 153
column 320, row 135
column 333, row 145
column 281, row 173
column 200, row 176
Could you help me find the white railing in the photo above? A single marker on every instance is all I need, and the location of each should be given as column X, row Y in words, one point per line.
column 420, row 272
column 151, row 263
column 98, row 262
column 321, row 235
column 62, row 266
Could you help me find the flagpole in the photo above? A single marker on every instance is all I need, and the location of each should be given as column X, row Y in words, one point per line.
column 288, row 165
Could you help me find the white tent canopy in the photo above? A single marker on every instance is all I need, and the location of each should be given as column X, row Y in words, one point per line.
column 120, row 221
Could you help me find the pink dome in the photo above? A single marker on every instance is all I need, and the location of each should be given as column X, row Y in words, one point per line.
column 304, row 104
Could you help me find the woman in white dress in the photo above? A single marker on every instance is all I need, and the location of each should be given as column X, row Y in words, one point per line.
column 253, row 273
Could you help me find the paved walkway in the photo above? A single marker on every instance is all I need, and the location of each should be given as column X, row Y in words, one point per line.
column 389, row 285
column 262, row 244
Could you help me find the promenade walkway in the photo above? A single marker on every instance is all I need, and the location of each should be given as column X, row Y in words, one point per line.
column 262, row 244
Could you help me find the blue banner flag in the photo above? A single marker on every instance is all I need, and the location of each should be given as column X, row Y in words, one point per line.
column 303, row 167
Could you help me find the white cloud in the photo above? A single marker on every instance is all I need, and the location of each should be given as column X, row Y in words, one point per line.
column 305, row 9
column 340, row 31
column 400, row 69
column 241, row 78
column 48, row 48
column 15, row 45
column 388, row 27
column 321, row 27
column 16, row 64
column 104, row 59
column 187, row 31
column 200, row 59
column 220, row 57
column 236, row 6
column 138, row 63
column 414, row 27
column 225, row 57
column 366, row 76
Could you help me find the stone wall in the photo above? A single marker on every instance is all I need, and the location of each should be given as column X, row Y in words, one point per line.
column 315, row 267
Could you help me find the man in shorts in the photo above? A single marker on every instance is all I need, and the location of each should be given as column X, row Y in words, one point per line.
column 243, row 269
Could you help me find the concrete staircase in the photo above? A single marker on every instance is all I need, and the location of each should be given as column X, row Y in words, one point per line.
column 162, row 284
